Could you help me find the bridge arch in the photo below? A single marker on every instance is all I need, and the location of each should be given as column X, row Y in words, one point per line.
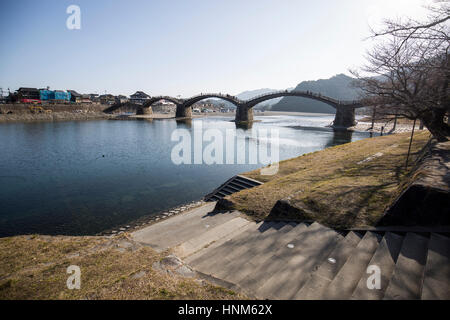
column 345, row 110
column 226, row 97
column 154, row 100
column 303, row 94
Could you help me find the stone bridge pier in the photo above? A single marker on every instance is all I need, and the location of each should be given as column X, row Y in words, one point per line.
column 183, row 111
column 345, row 118
column 244, row 114
column 144, row 110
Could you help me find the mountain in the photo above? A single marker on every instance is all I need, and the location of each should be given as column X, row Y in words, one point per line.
column 337, row 87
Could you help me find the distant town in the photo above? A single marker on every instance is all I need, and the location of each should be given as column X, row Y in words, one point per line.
column 46, row 96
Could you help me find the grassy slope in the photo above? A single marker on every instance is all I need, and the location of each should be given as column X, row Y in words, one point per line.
column 34, row 267
column 333, row 186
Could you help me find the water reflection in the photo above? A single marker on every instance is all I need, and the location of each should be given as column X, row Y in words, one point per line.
column 186, row 123
column 244, row 126
column 339, row 137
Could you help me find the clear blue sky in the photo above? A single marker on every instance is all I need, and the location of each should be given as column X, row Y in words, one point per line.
column 185, row 47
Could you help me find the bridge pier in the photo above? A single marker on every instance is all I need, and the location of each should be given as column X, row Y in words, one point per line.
column 345, row 118
column 244, row 114
column 144, row 110
column 183, row 112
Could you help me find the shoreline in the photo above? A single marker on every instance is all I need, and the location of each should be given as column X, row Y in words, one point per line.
column 361, row 126
column 54, row 116
column 150, row 219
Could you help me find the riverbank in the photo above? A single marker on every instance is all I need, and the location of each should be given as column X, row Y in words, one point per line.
column 379, row 126
column 54, row 116
column 51, row 112
column 346, row 186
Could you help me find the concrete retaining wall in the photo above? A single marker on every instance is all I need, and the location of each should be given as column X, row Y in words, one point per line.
column 425, row 200
column 20, row 108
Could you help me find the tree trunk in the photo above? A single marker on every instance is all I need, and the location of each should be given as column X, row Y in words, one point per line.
column 434, row 121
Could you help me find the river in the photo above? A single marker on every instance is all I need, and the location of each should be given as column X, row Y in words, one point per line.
column 82, row 177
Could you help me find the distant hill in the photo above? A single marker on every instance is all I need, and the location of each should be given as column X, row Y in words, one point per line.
column 337, row 87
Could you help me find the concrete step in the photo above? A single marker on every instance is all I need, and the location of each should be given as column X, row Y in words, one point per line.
column 257, row 252
column 222, row 193
column 197, row 243
column 289, row 268
column 175, row 230
column 212, row 262
column 235, row 184
column 240, row 185
column 232, row 250
column 246, row 181
column 190, row 229
column 346, row 280
column 407, row 278
column 256, row 270
column 230, row 189
column 317, row 282
column 385, row 258
column 148, row 234
column 436, row 283
column 203, row 254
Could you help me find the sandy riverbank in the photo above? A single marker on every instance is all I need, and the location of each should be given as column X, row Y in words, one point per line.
column 387, row 128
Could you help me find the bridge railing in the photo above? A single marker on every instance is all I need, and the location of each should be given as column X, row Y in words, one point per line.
column 156, row 98
column 212, row 95
column 267, row 94
column 234, row 98
column 293, row 92
column 310, row 94
column 349, row 102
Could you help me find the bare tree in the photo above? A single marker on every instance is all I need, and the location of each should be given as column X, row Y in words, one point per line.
column 409, row 70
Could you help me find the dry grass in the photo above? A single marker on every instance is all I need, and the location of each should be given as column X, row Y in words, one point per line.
column 34, row 267
column 342, row 186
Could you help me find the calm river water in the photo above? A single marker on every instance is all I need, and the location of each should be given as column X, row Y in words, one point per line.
column 79, row 178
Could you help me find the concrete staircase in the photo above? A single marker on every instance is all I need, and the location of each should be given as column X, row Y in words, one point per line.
column 233, row 185
column 285, row 260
